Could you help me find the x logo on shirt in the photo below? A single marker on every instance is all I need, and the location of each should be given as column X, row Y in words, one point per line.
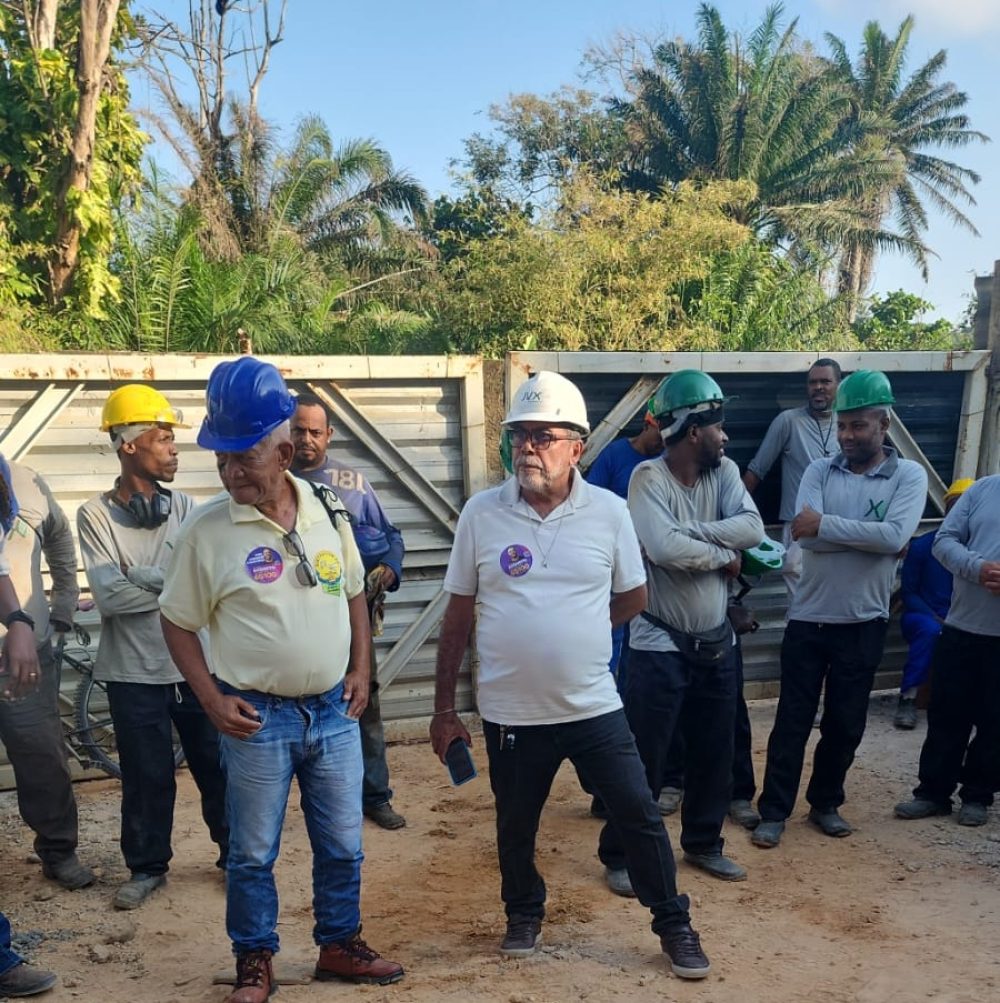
column 876, row 508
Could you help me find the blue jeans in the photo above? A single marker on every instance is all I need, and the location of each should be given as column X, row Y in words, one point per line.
column 8, row 959
column 921, row 633
column 524, row 760
column 313, row 739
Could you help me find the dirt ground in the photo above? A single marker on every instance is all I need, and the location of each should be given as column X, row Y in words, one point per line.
column 897, row 912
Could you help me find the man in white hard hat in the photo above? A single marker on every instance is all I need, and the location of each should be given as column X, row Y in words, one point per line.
column 542, row 554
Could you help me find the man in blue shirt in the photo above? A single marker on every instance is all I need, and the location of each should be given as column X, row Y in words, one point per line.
column 381, row 546
column 925, row 586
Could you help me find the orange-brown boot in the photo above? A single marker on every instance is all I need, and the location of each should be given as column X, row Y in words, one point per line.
column 354, row 961
column 254, row 978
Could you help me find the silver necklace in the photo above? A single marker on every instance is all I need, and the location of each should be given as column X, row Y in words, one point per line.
column 544, row 554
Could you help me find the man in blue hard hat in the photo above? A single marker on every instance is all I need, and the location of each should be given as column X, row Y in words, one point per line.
column 272, row 570
column 856, row 512
column 381, row 546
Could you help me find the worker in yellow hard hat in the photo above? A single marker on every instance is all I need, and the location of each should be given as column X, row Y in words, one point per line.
column 926, row 594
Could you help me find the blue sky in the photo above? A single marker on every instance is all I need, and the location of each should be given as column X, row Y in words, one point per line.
column 420, row 77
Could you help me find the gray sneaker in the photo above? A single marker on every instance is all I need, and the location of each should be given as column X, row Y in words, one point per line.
column 743, row 813
column 384, row 816
column 68, row 872
column 619, row 882
column 670, row 800
column 25, row 980
column 767, row 835
column 137, row 889
column 972, row 813
column 906, row 714
column 524, row 934
column 921, row 808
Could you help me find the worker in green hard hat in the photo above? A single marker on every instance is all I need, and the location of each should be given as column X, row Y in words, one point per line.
column 856, row 511
column 693, row 517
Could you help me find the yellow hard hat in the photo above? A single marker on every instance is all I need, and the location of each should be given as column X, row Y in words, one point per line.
column 959, row 488
column 137, row 404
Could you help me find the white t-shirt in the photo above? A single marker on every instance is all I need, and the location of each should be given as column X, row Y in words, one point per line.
column 543, row 585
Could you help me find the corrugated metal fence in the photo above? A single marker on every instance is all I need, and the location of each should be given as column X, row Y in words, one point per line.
column 413, row 426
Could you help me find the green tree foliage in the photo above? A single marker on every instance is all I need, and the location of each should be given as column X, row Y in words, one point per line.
column 603, row 271
column 897, row 121
column 891, row 323
column 56, row 236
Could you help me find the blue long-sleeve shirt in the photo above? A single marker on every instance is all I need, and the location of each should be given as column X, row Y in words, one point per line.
column 614, row 465
column 925, row 584
column 379, row 541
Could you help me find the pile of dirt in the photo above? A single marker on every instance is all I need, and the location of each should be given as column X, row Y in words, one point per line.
column 898, row 912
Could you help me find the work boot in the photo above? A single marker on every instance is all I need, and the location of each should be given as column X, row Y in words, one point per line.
column 743, row 813
column 384, row 816
column 906, row 714
column 683, row 947
column 524, row 934
column 670, row 800
column 972, row 813
column 921, row 808
column 354, row 961
column 619, row 881
column 137, row 889
column 767, row 835
column 717, row 865
column 25, row 980
column 254, row 978
column 68, row 872
column 830, row 822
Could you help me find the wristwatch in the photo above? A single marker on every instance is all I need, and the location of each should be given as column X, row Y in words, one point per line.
column 18, row 616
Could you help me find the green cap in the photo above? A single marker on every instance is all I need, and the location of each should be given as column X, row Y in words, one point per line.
column 865, row 388
column 685, row 388
column 768, row 555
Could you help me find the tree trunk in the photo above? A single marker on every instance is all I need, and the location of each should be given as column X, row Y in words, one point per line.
column 43, row 25
column 97, row 21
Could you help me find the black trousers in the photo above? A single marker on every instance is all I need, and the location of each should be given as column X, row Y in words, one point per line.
column 33, row 736
column 846, row 657
column 666, row 693
column 744, row 781
column 523, row 763
column 965, row 694
column 142, row 715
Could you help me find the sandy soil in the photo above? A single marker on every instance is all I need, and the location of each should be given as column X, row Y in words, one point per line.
column 898, row 912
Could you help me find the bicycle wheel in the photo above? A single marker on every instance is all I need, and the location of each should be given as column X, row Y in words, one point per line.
column 95, row 730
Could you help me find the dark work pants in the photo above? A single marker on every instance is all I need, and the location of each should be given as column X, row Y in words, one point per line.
column 32, row 734
column 744, row 782
column 846, row 656
column 523, row 763
column 375, row 789
column 666, row 692
column 142, row 714
column 965, row 694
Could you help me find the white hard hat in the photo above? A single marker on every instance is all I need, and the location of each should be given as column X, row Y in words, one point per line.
column 549, row 397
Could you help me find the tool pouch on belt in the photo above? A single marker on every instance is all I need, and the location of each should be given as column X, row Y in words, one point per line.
column 707, row 647
column 741, row 618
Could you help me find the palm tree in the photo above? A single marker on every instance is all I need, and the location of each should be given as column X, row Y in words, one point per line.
column 898, row 120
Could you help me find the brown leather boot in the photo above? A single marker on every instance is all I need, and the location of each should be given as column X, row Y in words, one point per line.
column 354, row 961
column 254, row 978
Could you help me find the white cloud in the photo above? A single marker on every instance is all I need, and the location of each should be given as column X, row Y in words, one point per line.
column 952, row 17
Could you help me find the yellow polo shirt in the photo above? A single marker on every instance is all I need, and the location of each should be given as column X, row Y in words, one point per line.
column 231, row 573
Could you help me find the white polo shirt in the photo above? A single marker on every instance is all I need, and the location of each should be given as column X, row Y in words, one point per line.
column 231, row 572
column 544, row 585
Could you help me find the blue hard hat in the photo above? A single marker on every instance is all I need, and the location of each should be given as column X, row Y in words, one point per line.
column 245, row 400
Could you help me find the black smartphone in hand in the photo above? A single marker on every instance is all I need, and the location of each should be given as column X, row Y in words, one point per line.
column 458, row 759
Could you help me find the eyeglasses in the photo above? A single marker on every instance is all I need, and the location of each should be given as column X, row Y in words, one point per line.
column 305, row 573
column 541, row 438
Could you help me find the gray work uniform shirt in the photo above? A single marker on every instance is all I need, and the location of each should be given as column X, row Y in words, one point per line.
column 688, row 535
column 796, row 437
column 41, row 527
column 848, row 570
column 132, row 649
column 968, row 537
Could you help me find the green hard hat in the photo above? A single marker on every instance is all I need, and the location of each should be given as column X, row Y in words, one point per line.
column 768, row 555
column 685, row 388
column 864, row 388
